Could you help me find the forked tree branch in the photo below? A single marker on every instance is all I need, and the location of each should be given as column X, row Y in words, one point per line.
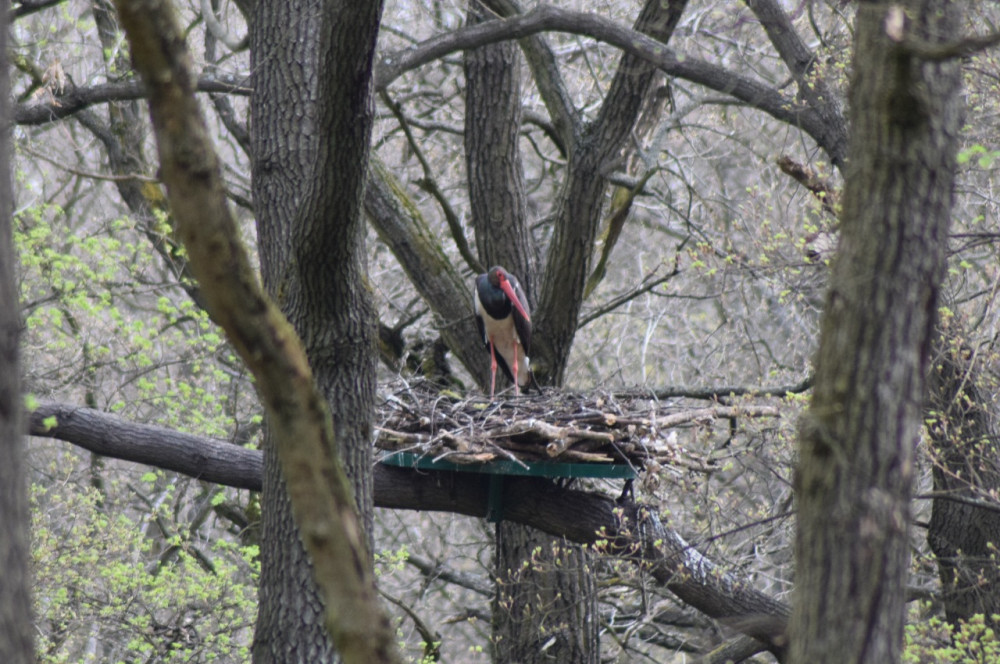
column 544, row 18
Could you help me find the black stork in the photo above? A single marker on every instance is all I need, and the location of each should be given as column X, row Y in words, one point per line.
column 505, row 325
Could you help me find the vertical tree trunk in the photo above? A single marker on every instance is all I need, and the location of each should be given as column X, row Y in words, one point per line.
column 312, row 115
column 963, row 536
column 493, row 155
column 289, row 621
column 545, row 607
column 16, row 629
column 857, row 439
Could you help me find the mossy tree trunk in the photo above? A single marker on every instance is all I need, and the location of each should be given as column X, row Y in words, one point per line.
column 858, row 437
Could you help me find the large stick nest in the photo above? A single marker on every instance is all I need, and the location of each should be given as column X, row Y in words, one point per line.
column 597, row 427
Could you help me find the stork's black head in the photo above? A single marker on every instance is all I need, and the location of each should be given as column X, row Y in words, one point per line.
column 506, row 291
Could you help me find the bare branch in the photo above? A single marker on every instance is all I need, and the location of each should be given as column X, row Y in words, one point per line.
column 548, row 80
column 75, row 99
column 714, row 393
column 88, row 174
column 545, row 18
column 435, row 569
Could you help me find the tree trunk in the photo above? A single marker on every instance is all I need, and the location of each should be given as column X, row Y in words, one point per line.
column 311, row 113
column 964, row 536
column 545, row 609
column 857, row 439
column 288, row 625
column 321, row 498
column 16, row 628
column 493, row 156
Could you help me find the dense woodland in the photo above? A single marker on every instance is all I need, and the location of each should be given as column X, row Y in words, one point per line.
column 759, row 244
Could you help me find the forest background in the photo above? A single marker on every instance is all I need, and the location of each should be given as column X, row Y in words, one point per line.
column 673, row 224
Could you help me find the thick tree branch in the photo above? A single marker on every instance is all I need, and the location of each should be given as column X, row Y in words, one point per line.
column 404, row 230
column 579, row 516
column 75, row 99
column 544, row 18
column 203, row 458
column 820, row 97
column 28, row 7
column 714, row 393
column 580, row 202
column 551, row 86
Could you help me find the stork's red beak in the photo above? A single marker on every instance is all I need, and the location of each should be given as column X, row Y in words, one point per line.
column 506, row 287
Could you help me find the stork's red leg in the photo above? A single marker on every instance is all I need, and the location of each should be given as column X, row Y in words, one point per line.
column 517, row 388
column 493, row 368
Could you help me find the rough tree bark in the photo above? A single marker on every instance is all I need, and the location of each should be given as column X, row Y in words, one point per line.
column 16, row 627
column 962, row 530
column 303, row 435
column 447, row 293
column 493, row 156
column 963, row 534
column 311, row 112
column 857, row 438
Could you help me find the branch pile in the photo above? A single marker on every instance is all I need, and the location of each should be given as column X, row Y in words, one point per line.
column 565, row 427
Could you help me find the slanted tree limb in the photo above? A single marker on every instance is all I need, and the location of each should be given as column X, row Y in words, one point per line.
column 820, row 96
column 579, row 205
column 402, row 227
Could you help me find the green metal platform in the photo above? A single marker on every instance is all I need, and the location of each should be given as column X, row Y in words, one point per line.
column 500, row 468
